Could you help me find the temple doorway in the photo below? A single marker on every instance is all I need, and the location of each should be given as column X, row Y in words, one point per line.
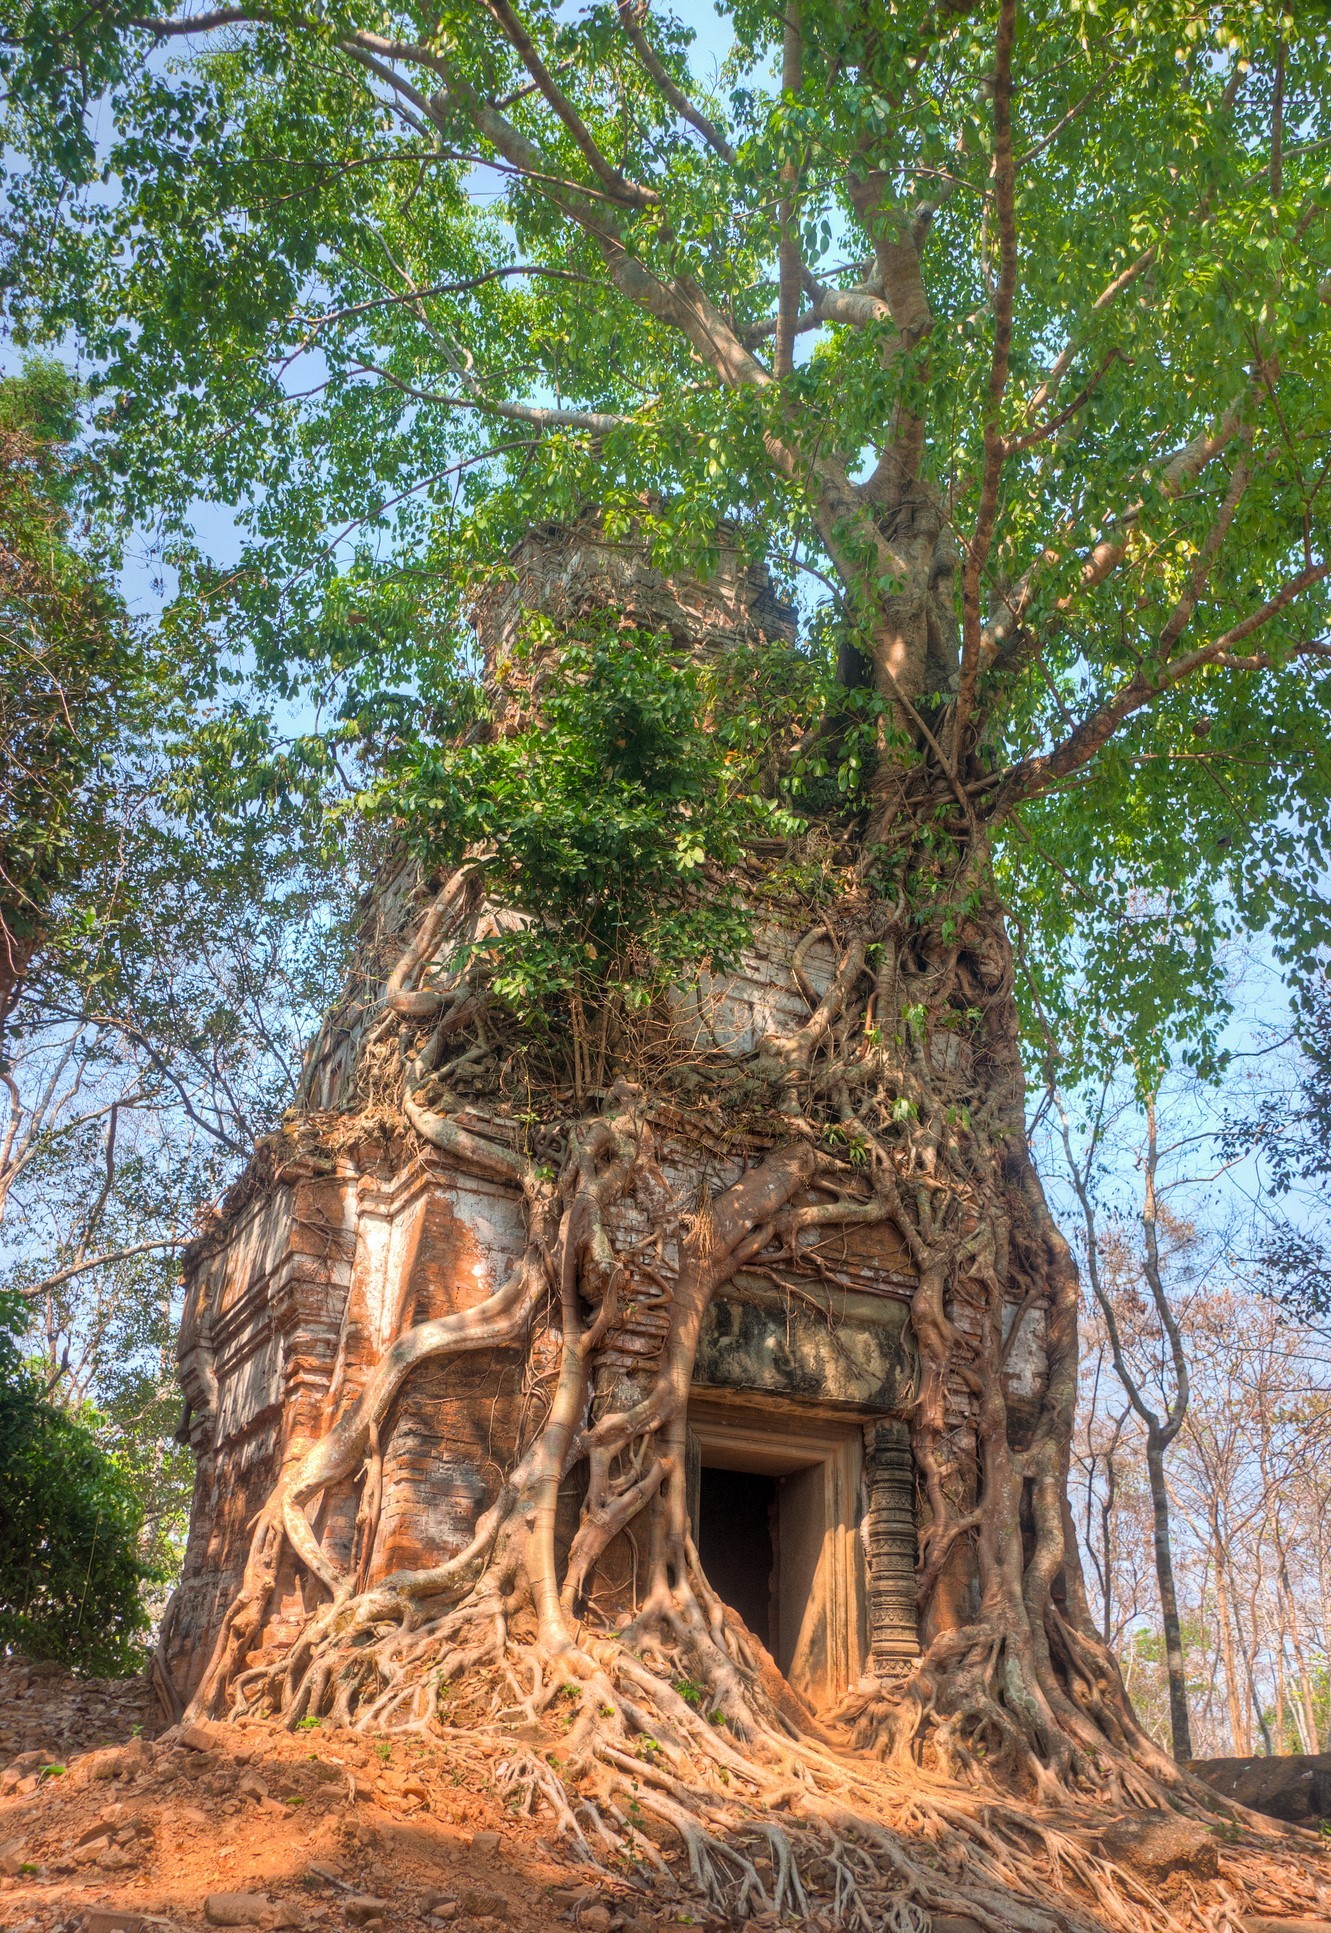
column 775, row 1504
column 738, row 1532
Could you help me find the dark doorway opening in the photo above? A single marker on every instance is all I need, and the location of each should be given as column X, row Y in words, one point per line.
column 736, row 1521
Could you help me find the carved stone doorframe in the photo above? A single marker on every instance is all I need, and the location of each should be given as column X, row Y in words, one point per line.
column 820, row 1607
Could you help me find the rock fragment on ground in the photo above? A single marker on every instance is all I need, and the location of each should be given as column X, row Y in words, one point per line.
column 236, row 1909
column 1156, row 1843
column 1296, row 1788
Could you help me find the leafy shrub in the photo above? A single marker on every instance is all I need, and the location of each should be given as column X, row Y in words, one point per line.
column 70, row 1522
column 612, row 815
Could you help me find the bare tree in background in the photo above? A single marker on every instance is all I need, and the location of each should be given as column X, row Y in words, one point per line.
column 1161, row 1415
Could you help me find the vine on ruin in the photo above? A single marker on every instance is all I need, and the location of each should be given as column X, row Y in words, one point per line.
column 610, row 798
column 897, row 1102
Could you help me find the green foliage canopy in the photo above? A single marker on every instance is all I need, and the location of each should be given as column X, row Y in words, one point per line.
column 1008, row 322
column 612, row 820
column 70, row 668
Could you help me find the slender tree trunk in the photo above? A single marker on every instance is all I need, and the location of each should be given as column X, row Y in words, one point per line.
column 1160, row 1431
column 1250, row 1659
column 1304, row 1709
column 1179, row 1728
column 1260, row 1716
column 1239, row 1736
column 1107, row 1540
column 1325, row 1605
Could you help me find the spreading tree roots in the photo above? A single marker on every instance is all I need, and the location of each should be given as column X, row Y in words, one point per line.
column 663, row 1742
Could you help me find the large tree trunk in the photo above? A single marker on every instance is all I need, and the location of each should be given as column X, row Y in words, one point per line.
column 17, row 948
column 1012, row 1680
column 896, row 1104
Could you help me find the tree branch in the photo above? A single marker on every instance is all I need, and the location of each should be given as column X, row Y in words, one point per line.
column 1262, row 660
column 790, row 264
column 1201, row 570
column 683, row 106
column 424, row 115
column 34, row 1289
column 1034, row 775
column 525, row 48
column 1104, row 558
column 995, row 445
column 595, row 422
column 1014, row 445
column 1107, row 296
column 856, row 308
column 201, row 23
column 462, row 287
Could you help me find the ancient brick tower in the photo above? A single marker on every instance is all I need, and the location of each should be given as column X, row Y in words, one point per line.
column 346, row 1224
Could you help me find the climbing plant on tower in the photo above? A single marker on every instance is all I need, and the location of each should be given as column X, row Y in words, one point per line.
column 1003, row 330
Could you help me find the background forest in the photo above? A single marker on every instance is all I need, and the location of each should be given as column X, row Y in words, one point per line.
column 192, row 805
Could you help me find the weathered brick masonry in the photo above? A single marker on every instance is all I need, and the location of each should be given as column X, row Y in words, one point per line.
column 348, row 1229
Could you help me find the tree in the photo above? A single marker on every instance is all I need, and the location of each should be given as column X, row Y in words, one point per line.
column 1249, row 1522
column 1290, row 1125
column 1168, row 1371
column 1003, row 324
column 165, row 946
column 157, row 1037
column 70, row 1564
column 69, row 659
column 1249, row 1475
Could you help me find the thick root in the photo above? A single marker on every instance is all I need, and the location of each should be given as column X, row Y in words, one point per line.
column 661, row 1740
column 663, row 1763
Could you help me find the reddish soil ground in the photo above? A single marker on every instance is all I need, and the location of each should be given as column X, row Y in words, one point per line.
column 105, row 1828
column 111, row 1824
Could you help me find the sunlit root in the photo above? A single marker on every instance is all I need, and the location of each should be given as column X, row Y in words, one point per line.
column 671, row 1751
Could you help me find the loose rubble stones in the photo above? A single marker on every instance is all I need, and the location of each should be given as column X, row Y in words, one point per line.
column 47, row 1712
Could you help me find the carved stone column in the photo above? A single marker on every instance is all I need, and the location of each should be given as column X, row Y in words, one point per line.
column 890, row 1548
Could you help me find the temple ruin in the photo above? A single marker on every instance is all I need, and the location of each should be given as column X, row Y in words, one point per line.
column 346, row 1227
